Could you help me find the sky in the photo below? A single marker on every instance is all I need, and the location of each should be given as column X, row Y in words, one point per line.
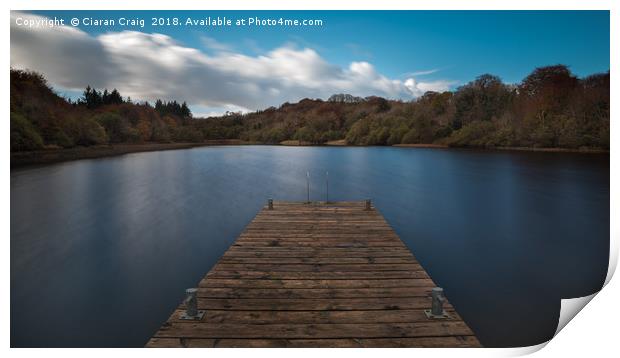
column 393, row 54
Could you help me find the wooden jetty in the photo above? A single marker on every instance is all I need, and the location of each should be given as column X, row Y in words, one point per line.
column 315, row 275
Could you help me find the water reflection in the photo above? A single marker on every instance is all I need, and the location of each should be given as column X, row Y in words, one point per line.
column 101, row 250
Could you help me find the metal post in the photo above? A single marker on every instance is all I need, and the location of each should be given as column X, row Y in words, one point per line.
column 438, row 299
column 437, row 296
column 308, row 187
column 191, row 306
column 368, row 204
column 191, row 302
column 327, row 187
column 270, row 204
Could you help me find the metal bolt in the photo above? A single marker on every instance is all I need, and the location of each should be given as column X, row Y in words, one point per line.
column 326, row 187
column 368, row 204
column 308, row 187
column 270, row 204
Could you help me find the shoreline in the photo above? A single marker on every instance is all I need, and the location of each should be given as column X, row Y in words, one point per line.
column 554, row 150
column 51, row 156
column 422, row 145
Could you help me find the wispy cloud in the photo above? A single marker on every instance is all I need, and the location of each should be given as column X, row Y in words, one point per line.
column 358, row 50
column 149, row 66
column 214, row 44
column 421, row 73
column 253, row 46
column 296, row 40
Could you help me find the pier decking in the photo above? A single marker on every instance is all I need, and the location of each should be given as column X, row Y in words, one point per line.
column 316, row 275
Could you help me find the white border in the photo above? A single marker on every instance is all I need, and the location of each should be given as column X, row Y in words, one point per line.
column 311, row 5
column 592, row 330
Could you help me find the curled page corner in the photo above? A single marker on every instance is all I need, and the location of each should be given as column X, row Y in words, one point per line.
column 570, row 307
column 613, row 259
column 523, row 351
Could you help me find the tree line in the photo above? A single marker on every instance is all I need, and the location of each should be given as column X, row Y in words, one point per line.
column 94, row 99
column 551, row 107
column 40, row 118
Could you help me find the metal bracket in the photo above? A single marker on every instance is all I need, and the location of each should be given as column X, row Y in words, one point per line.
column 197, row 317
column 430, row 315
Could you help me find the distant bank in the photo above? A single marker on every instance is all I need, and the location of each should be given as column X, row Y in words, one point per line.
column 343, row 143
column 49, row 156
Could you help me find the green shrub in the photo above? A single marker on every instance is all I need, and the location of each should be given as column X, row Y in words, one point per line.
column 397, row 134
column 411, row 137
column 474, row 134
column 570, row 135
column 117, row 127
column 187, row 134
column 306, row 134
column 91, row 133
column 24, row 136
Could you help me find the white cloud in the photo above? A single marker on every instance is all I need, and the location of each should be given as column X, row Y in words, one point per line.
column 419, row 88
column 436, row 86
column 149, row 66
column 201, row 111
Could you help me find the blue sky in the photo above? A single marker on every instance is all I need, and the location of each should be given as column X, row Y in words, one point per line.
column 437, row 49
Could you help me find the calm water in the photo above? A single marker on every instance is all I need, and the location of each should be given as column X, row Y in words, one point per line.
column 102, row 250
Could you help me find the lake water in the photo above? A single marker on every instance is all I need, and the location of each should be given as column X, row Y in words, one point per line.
column 102, row 250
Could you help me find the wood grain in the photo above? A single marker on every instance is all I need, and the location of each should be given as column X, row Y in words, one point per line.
column 316, row 275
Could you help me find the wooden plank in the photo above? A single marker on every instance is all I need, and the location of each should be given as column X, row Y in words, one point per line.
column 305, row 293
column 316, row 275
column 308, row 284
column 352, row 243
column 310, row 317
column 325, row 275
column 273, row 252
column 224, row 266
column 315, row 330
column 421, row 342
column 317, row 260
column 315, row 304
